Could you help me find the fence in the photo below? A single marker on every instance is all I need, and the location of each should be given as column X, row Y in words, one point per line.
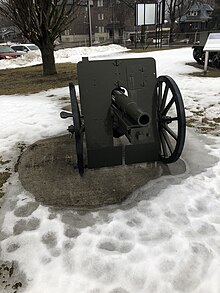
column 136, row 40
column 150, row 39
column 133, row 40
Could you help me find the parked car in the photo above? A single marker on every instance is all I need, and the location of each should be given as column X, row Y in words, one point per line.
column 24, row 48
column 8, row 53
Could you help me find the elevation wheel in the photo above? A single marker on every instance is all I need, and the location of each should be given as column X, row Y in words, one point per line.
column 216, row 61
column 202, row 58
column 171, row 119
column 77, row 128
column 197, row 55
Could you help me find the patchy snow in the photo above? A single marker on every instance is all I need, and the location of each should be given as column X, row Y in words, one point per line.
column 62, row 55
column 167, row 242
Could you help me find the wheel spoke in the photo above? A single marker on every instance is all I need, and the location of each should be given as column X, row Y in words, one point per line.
column 168, row 106
column 167, row 140
column 170, row 131
column 164, row 99
column 164, row 145
column 159, row 93
column 168, row 119
column 173, row 119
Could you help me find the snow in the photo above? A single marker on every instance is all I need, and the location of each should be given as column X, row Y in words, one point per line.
column 62, row 55
column 166, row 239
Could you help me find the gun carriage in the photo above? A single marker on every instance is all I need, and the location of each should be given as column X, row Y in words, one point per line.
column 199, row 54
column 126, row 114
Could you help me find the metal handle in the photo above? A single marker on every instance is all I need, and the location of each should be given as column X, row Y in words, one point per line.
column 65, row 114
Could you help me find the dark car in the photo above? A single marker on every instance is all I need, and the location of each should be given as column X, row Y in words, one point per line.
column 8, row 53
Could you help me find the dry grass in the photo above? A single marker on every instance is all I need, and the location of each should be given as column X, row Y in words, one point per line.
column 3, row 178
column 29, row 80
column 149, row 49
column 211, row 72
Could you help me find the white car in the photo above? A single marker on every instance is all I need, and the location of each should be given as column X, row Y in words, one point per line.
column 24, row 48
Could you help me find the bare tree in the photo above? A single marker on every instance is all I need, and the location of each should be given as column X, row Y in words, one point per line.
column 129, row 3
column 215, row 23
column 210, row 2
column 41, row 22
column 176, row 9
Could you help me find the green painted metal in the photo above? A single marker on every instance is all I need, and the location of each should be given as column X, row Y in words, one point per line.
column 119, row 97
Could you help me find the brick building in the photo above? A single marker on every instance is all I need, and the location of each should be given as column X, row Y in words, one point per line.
column 111, row 20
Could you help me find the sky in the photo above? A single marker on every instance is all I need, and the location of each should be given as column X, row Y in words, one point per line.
column 166, row 241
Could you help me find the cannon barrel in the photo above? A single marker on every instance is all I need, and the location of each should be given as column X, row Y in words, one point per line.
column 129, row 107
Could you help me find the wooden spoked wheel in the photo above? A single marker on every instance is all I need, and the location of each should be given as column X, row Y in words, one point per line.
column 216, row 61
column 77, row 128
column 197, row 55
column 171, row 119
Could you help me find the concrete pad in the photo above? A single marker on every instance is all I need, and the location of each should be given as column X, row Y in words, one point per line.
column 46, row 170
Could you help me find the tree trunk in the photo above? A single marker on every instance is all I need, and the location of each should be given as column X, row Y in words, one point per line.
column 215, row 22
column 171, row 36
column 47, row 53
column 143, row 35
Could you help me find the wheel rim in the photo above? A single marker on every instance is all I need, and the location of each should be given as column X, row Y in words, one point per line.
column 203, row 58
column 78, row 129
column 197, row 55
column 216, row 61
column 171, row 119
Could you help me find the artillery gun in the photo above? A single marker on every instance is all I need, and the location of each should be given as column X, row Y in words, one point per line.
column 127, row 114
column 199, row 54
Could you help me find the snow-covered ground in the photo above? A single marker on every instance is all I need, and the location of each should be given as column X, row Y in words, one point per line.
column 166, row 242
column 62, row 55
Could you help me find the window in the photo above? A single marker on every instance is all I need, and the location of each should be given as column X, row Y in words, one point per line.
column 100, row 16
column 195, row 26
column 99, row 3
column 101, row 29
column 193, row 13
column 17, row 48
